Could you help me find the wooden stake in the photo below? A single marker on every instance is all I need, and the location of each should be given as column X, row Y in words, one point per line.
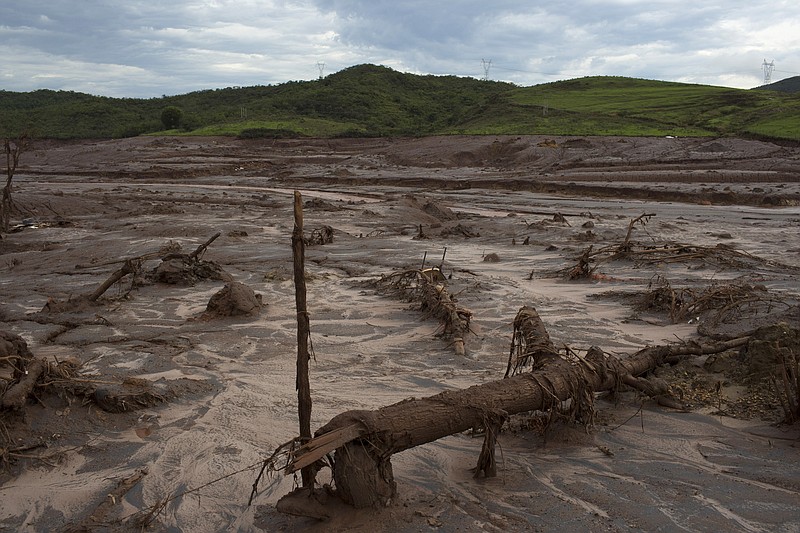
column 303, row 332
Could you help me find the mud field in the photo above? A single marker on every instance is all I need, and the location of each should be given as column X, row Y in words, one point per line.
column 711, row 229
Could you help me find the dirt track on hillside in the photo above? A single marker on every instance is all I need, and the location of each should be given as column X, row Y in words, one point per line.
column 532, row 205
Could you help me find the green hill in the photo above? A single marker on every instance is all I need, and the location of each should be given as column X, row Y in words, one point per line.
column 788, row 85
column 369, row 100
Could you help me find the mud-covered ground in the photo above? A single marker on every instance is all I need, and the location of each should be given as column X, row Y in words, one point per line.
column 510, row 216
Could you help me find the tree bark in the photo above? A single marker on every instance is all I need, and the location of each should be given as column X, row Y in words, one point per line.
column 412, row 422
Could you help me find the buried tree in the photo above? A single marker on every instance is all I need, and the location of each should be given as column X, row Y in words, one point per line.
column 364, row 441
column 13, row 149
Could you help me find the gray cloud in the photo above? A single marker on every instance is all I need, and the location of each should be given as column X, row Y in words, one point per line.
column 147, row 48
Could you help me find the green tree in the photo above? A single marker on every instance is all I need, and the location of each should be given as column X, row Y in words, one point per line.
column 171, row 117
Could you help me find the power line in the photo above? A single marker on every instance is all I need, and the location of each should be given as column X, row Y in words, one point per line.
column 768, row 68
column 486, row 66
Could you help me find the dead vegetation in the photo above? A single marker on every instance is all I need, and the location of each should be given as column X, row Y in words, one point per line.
column 13, row 149
column 566, row 382
column 428, row 288
column 652, row 253
column 718, row 302
column 31, row 378
column 319, row 236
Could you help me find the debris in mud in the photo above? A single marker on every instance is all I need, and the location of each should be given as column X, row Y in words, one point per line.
column 12, row 347
column 25, row 370
column 421, row 235
column 319, row 236
column 130, row 395
column 431, row 293
column 773, row 353
column 583, row 269
column 772, row 310
column 35, row 377
column 364, row 441
column 278, row 274
column 186, row 270
column 321, row 205
column 175, row 269
column 235, row 299
column 34, row 223
column 757, row 380
column 431, row 208
column 716, row 303
column 461, row 230
column 668, row 252
column 586, row 236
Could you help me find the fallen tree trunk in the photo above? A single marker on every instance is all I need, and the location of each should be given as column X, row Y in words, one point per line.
column 365, row 440
column 427, row 286
column 17, row 394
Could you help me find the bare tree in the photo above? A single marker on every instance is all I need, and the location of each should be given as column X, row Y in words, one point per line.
column 13, row 148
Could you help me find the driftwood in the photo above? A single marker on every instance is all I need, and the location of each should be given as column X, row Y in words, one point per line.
column 530, row 342
column 202, row 248
column 127, row 268
column 188, row 269
column 364, row 441
column 29, row 371
column 13, row 149
column 666, row 252
column 17, row 394
column 428, row 288
column 99, row 520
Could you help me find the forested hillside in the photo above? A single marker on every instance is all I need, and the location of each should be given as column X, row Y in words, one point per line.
column 369, row 100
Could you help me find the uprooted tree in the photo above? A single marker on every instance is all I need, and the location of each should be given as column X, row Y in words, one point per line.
column 364, row 441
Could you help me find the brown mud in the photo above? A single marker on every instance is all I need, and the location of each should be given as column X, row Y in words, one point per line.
column 504, row 218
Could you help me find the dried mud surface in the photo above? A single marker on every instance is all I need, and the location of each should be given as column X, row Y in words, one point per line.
column 87, row 206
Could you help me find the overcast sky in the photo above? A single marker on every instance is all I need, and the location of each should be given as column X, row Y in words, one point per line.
column 150, row 48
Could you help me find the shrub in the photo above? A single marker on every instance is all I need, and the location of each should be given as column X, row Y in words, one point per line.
column 171, row 117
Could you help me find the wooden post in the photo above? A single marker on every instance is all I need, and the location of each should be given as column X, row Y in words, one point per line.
column 303, row 332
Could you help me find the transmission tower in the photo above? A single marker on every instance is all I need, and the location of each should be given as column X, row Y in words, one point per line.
column 768, row 68
column 321, row 67
column 487, row 65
